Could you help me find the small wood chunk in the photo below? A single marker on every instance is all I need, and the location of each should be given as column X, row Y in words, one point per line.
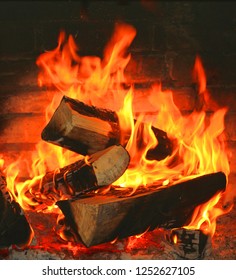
column 188, row 244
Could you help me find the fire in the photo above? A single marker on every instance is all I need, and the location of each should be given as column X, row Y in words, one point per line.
column 1, row 162
column 89, row 79
column 205, row 216
column 175, row 239
column 199, row 150
column 198, row 140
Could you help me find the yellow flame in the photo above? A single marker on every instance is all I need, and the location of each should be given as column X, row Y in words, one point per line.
column 175, row 239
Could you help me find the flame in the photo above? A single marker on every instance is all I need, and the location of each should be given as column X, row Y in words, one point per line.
column 89, row 79
column 200, row 145
column 199, row 75
column 175, row 239
column 1, row 162
column 205, row 216
column 198, row 139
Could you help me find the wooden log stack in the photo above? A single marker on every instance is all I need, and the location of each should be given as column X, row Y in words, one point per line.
column 14, row 227
column 94, row 218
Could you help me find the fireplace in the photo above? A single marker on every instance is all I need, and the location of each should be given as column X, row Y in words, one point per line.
column 186, row 48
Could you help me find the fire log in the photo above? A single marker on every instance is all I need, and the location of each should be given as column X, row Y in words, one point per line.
column 99, row 219
column 14, row 227
column 87, row 129
column 85, row 175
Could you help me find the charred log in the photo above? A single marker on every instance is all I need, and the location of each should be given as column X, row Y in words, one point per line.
column 14, row 227
column 87, row 129
column 99, row 219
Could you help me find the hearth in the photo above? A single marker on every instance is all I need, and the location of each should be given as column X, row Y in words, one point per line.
column 117, row 139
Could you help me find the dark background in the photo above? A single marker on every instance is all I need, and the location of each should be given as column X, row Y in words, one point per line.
column 169, row 33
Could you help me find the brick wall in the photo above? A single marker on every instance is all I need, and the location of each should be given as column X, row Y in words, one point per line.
column 169, row 35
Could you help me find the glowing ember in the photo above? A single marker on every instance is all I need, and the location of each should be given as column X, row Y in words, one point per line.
column 198, row 141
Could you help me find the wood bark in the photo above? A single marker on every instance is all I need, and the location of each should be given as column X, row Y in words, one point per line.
column 14, row 227
column 98, row 219
column 87, row 129
column 85, row 175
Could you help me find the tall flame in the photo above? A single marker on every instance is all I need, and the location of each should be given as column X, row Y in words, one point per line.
column 198, row 139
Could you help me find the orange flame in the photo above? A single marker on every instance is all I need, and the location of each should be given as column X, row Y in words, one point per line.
column 175, row 239
column 199, row 140
column 1, row 162
column 199, row 75
column 200, row 149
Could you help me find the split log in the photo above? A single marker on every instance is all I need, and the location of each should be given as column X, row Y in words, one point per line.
column 87, row 129
column 88, row 174
column 99, row 219
column 14, row 227
column 187, row 244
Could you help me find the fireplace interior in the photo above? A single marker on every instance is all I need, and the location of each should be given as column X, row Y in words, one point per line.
column 169, row 37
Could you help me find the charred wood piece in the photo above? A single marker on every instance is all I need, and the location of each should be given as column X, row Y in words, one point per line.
column 188, row 244
column 14, row 227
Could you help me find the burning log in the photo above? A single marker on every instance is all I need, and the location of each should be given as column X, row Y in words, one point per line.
column 90, row 173
column 87, row 129
column 14, row 227
column 99, row 219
